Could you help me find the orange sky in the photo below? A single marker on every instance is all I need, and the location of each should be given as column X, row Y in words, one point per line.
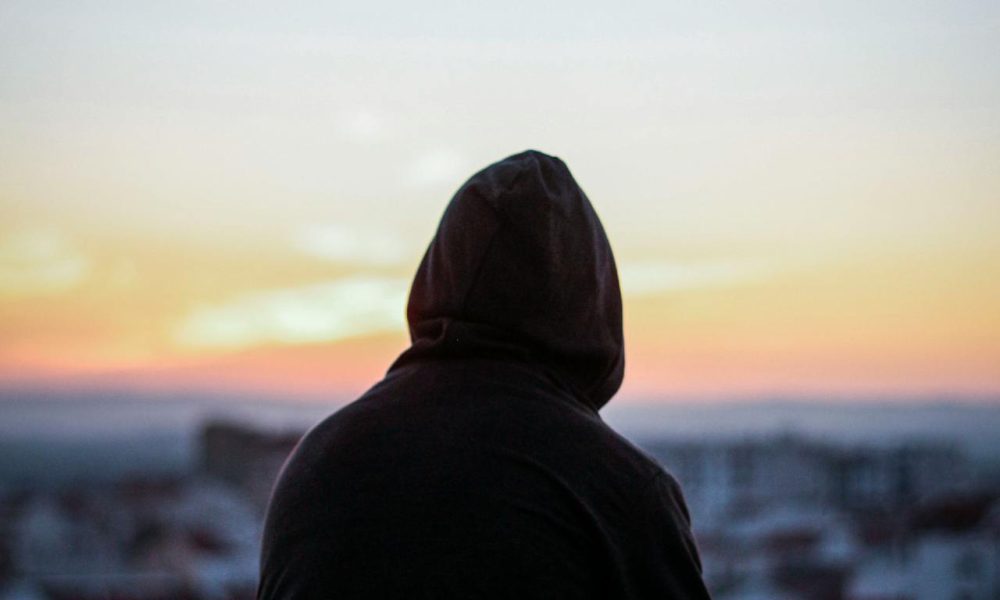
column 802, row 200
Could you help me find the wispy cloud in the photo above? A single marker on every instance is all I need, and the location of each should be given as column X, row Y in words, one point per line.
column 355, row 244
column 329, row 311
column 437, row 166
column 364, row 305
column 39, row 262
column 654, row 277
column 363, row 126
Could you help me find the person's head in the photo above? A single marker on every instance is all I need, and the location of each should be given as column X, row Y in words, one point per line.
column 520, row 268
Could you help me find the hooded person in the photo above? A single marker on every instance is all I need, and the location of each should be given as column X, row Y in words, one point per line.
column 479, row 467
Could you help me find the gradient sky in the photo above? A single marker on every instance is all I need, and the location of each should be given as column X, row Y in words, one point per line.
column 803, row 197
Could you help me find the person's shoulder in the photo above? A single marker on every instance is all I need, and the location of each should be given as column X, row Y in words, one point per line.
column 607, row 450
column 345, row 421
column 644, row 467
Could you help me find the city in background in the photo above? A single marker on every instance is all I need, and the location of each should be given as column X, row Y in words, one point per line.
column 789, row 501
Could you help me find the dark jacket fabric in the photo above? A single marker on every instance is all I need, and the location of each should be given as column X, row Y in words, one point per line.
column 479, row 467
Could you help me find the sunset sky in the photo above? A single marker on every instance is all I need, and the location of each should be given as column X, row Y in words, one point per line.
column 803, row 197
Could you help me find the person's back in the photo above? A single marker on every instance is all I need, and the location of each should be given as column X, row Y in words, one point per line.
column 479, row 466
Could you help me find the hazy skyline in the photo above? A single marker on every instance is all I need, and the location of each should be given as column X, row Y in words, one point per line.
column 803, row 198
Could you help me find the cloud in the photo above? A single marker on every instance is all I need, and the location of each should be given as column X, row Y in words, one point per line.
column 355, row 245
column 330, row 311
column 653, row 277
column 363, row 126
column 436, row 167
column 39, row 262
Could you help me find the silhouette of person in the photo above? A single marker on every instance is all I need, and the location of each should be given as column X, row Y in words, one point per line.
column 479, row 467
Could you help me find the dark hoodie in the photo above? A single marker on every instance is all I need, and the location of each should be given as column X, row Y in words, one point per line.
column 479, row 467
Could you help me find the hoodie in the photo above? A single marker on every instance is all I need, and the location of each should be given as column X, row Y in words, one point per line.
column 479, row 467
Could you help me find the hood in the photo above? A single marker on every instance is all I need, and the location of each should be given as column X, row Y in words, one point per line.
column 520, row 269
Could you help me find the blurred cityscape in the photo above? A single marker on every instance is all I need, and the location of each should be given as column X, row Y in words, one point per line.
column 779, row 516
